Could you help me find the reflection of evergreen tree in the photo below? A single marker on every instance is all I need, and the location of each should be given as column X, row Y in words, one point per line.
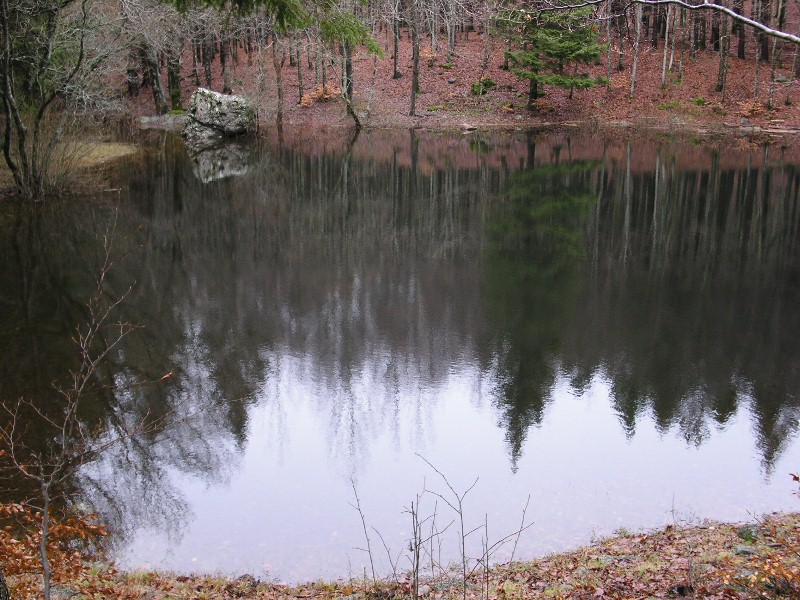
column 530, row 280
column 688, row 311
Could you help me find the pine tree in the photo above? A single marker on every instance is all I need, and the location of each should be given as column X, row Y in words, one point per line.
column 552, row 45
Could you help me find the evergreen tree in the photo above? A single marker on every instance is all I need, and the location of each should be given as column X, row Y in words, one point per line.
column 551, row 47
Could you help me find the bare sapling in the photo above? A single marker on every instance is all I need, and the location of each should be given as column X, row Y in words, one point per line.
column 368, row 549
column 423, row 548
column 456, row 503
column 393, row 561
column 522, row 528
column 70, row 443
column 469, row 566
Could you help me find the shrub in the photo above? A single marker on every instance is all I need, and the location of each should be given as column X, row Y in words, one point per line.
column 479, row 88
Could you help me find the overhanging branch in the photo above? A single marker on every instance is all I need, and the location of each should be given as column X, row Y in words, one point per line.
column 766, row 29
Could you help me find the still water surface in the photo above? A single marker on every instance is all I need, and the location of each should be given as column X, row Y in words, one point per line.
column 604, row 332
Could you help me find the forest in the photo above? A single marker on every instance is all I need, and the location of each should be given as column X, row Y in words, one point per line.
column 70, row 63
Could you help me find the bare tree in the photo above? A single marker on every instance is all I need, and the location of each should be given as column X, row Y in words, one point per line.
column 70, row 442
column 46, row 60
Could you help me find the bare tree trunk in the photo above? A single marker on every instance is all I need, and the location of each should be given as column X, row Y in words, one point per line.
column 224, row 59
column 276, row 63
column 638, row 13
column 770, row 101
column 152, row 65
column 736, row 27
column 299, row 62
column 487, row 46
column 758, row 68
column 396, row 74
column 796, row 63
column 415, row 68
column 725, row 42
column 195, row 63
column 209, row 49
column 666, row 49
column 715, row 31
column 450, row 22
column 174, row 76
column 347, row 88
column 622, row 19
column 656, row 26
column 684, row 22
column 766, row 19
column 533, row 93
column 433, row 25
column 46, row 572
column 132, row 72
column 675, row 26
column 608, row 42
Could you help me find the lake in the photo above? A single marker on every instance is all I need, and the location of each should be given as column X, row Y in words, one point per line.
column 577, row 333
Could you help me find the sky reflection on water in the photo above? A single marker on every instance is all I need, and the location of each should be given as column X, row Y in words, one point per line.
column 609, row 328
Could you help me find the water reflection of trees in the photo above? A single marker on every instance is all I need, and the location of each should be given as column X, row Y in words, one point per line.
column 50, row 261
column 672, row 282
column 337, row 261
column 531, row 276
column 693, row 274
column 675, row 284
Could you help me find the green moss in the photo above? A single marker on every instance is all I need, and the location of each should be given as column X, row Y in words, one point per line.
column 479, row 88
column 669, row 105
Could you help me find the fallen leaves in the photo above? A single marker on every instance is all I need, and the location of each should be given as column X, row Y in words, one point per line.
column 676, row 562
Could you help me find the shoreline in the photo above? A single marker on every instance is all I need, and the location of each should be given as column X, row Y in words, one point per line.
column 707, row 560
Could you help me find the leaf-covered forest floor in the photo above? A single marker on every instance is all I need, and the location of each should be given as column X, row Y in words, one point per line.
column 711, row 560
column 688, row 101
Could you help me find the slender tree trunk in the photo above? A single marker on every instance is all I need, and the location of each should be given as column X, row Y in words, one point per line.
column 738, row 28
column 675, row 27
column 347, row 88
column 323, row 68
column 703, row 30
column 276, row 63
column 666, row 49
column 533, row 93
column 757, row 73
column 770, row 101
column 153, row 65
column 415, row 57
column 656, row 26
column 684, row 21
column 715, row 31
column 208, row 58
column 638, row 13
column 299, row 62
column 132, row 72
column 487, row 45
column 608, row 42
column 174, row 76
column 224, row 60
column 725, row 42
column 766, row 19
column 796, row 63
column 433, row 25
column 46, row 572
column 195, row 63
column 396, row 74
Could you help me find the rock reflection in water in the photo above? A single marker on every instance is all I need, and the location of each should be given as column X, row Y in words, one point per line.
column 606, row 327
